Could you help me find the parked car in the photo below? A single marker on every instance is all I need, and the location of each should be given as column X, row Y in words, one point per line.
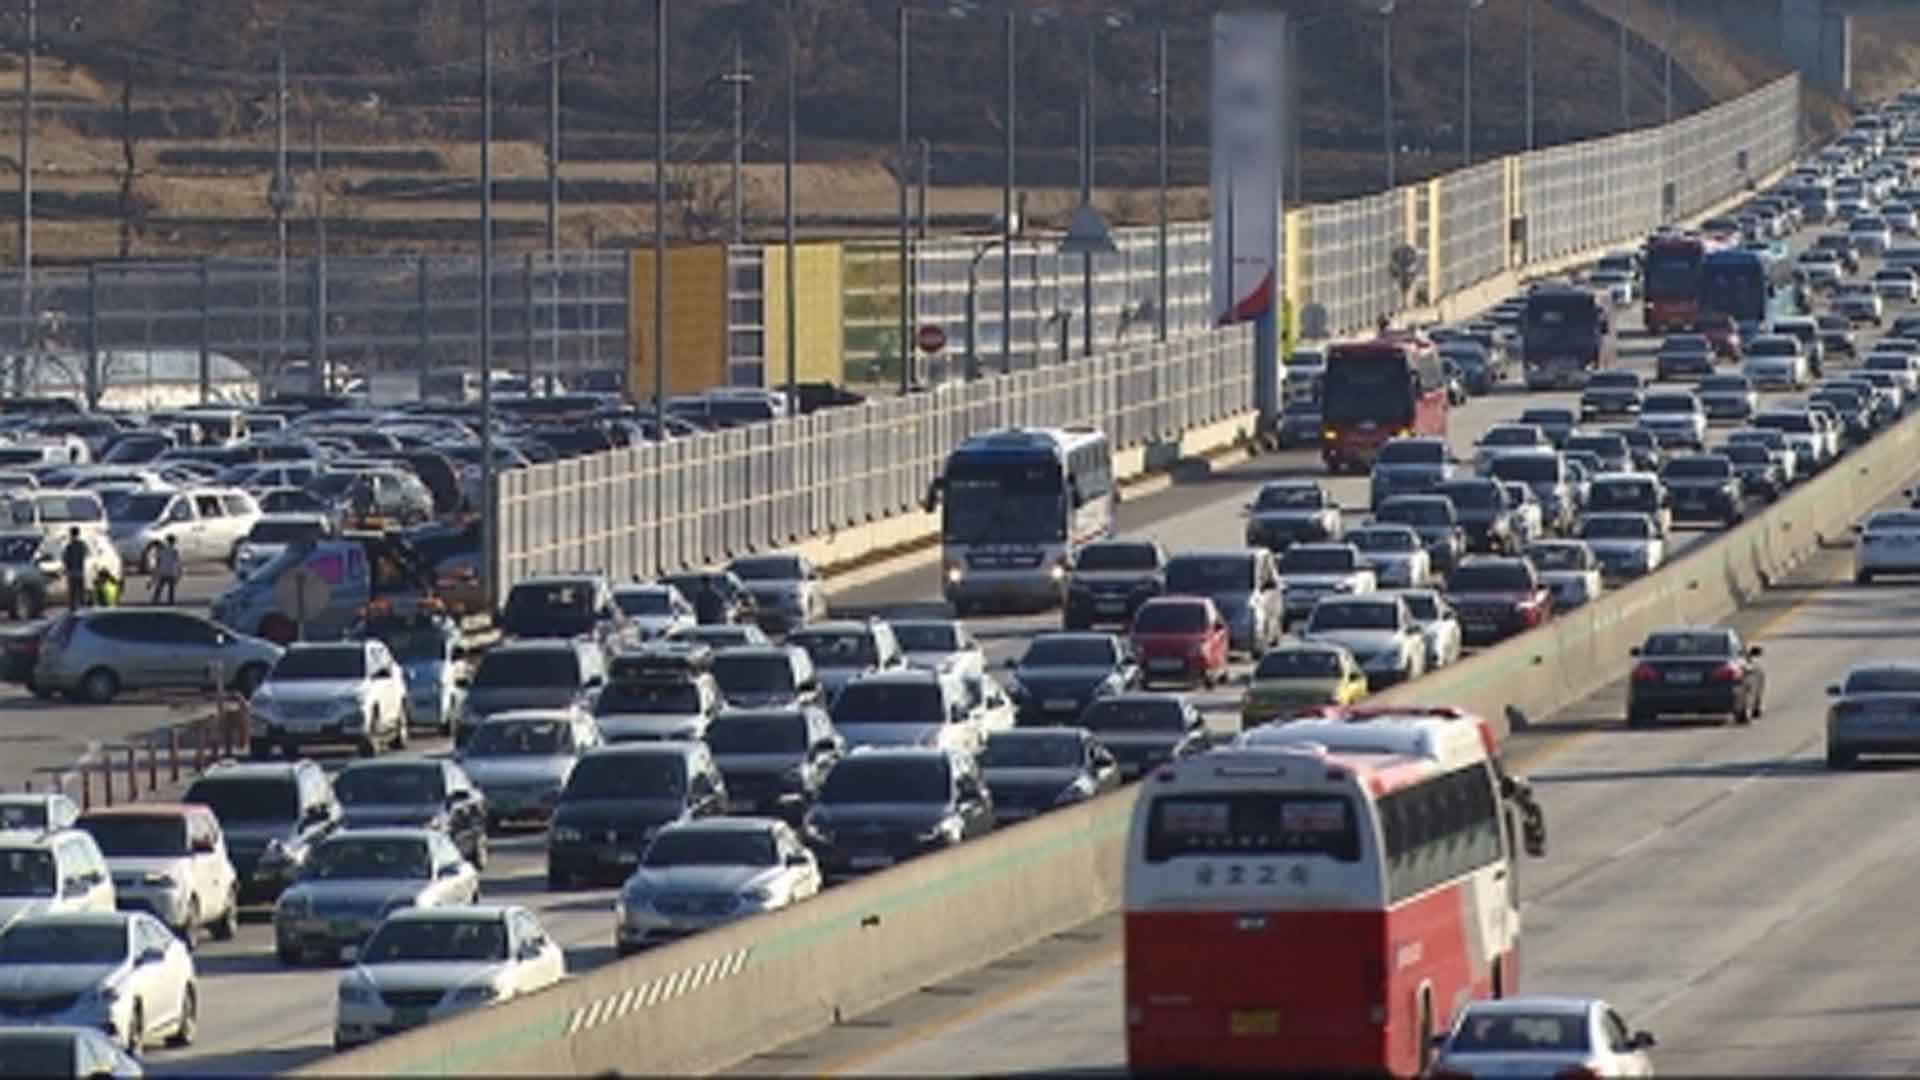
column 341, row 693
column 96, row 654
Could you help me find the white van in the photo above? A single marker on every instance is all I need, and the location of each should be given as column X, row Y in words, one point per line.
column 56, row 872
column 206, row 524
column 54, row 511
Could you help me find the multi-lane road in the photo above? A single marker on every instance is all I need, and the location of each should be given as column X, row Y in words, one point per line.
column 260, row 1017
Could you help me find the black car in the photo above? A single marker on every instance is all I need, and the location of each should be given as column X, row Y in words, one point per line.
column 1682, row 355
column 716, row 596
column 1033, row 770
column 615, row 800
column 274, row 814
column 1645, row 449
column 1612, row 393
column 1704, row 486
column 1558, row 423
column 1109, row 581
column 1485, row 513
column 882, row 806
column 1062, row 673
column 1700, row 671
column 1854, row 409
column 1760, row 473
column 1435, row 519
column 774, row 760
column 1496, row 598
column 1143, row 730
column 416, row 792
column 1836, row 335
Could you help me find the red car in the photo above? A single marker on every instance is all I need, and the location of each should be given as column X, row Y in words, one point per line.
column 1180, row 638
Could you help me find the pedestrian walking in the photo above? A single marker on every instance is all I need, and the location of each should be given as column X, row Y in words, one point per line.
column 166, row 572
column 73, row 558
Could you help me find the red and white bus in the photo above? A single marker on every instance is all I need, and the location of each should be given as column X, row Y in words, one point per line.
column 1323, row 895
column 1374, row 391
column 1671, row 290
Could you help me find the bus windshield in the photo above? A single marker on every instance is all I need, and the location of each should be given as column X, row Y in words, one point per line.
column 1011, row 501
column 1560, row 321
column 1252, row 823
column 1673, row 274
column 1359, row 386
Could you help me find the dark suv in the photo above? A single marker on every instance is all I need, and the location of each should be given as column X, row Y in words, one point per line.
column 274, row 814
column 416, row 792
column 1110, row 580
column 615, row 800
column 774, row 760
column 1704, row 486
column 885, row 805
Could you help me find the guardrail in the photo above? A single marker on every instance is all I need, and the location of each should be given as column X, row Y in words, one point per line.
column 177, row 751
column 701, row 501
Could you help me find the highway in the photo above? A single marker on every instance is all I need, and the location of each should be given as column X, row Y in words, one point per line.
column 260, row 1018
column 1716, row 883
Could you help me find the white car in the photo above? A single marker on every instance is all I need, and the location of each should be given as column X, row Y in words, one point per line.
column 356, row 878
column 1569, row 569
column 1615, row 285
column 1439, row 625
column 1777, row 445
column 1889, row 544
column 654, row 611
column 170, row 860
column 424, row 964
column 1528, row 518
column 993, row 708
column 1378, row 630
column 350, row 692
column 1803, row 431
column 940, row 645
column 1675, row 419
column 1896, row 283
column 1904, row 365
column 1396, row 553
column 1542, row 1036
column 37, row 812
column 700, row 874
column 1506, row 439
column 908, row 707
column 1870, row 234
column 122, row 973
column 204, row 524
column 1860, row 307
column 273, row 534
column 1627, row 545
column 1312, row 571
column 1900, row 218
column 36, row 870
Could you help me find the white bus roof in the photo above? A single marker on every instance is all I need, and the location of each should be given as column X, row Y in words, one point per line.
column 1447, row 738
column 1061, row 440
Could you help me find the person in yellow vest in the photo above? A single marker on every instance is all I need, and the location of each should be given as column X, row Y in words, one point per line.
column 106, row 589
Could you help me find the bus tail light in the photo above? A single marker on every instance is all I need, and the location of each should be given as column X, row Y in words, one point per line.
column 1646, row 673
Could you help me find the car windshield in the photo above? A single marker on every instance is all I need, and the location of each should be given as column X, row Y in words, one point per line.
column 1134, row 717
column 1736, row 384
column 1630, row 494
column 867, row 701
column 1204, row 574
column 710, row 847
column 1885, row 680
column 1613, row 380
column 1660, row 403
column 1493, row 577
column 1063, row 750
column 1547, row 418
column 161, row 834
column 1685, row 344
column 1423, row 606
column 25, row 872
column 1697, row 468
column 23, row 816
column 927, row 637
column 1117, row 557
column 1894, row 519
column 1352, row 615
column 1170, row 617
column 837, row 648
column 138, row 507
column 436, row 941
column 321, row 662
column 1050, row 651
column 1521, row 1033
column 1602, row 445
column 65, row 943
column 644, row 601
column 628, row 776
column 345, row 858
column 1413, row 452
column 883, row 781
column 1511, row 435
column 1312, row 560
column 1527, row 468
column 521, row 738
column 1774, row 346
column 560, row 610
column 1384, row 540
column 528, row 668
column 753, row 674
column 1689, row 643
column 1474, row 495
column 767, row 568
column 1557, row 556
column 1622, row 527
column 1289, row 498
column 284, row 532
column 1415, row 512
column 237, row 800
column 758, row 733
column 410, row 642
column 391, row 785
column 659, row 698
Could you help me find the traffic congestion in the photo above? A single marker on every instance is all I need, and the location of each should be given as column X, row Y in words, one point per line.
column 444, row 807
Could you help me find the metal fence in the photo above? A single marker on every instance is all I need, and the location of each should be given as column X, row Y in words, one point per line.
column 370, row 313
column 703, row 500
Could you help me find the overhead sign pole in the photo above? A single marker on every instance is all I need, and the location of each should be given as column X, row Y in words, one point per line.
column 1249, row 114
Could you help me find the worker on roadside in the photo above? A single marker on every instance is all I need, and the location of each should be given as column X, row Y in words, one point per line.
column 73, row 558
column 166, row 572
column 106, row 588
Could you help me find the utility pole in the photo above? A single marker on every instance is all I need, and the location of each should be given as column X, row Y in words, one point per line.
column 26, row 176
column 1007, row 224
column 739, row 80
column 906, row 244
column 553, row 201
column 1160, row 86
column 1530, row 75
column 320, row 382
column 793, row 276
column 280, row 193
column 489, row 528
column 1086, row 198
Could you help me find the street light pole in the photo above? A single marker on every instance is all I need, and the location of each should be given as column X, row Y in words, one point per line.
column 906, row 254
column 739, row 80
column 1006, row 206
column 659, row 276
column 1160, row 81
column 1530, row 75
column 1466, row 85
column 1667, row 56
column 489, row 527
column 1626, row 89
column 1386, row 90
column 26, row 173
column 1086, row 199
column 793, row 277
column 553, row 200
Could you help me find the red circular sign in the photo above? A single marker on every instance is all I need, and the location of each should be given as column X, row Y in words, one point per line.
column 931, row 338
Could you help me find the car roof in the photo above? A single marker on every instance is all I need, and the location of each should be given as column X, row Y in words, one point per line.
column 145, row 810
column 1138, row 697
column 561, row 579
column 383, row 832
column 1533, row 1004
column 80, row 918
column 660, row 748
column 253, row 770
column 837, row 626
column 545, row 644
column 1053, row 730
column 450, row 912
column 895, row 753
column 733, row 825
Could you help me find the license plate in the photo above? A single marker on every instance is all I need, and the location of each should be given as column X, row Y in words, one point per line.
column 1478, row 627
column 1164, row 663
column 627, row 858
column 1115, row 604
column 1061, row 704
column 742, row 806
column 345, row 928
column 870, row 862
column 1683, row 676
column 409, row 1017
column 1254, row 1022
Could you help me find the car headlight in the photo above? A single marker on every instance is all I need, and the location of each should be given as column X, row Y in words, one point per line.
column 356, row 994
column 104, row 994
column 473, row 995
column 955, row 573
column 566, row 834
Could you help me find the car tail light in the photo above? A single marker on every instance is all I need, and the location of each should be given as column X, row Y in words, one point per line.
column 1645, row 673
column 1726, row 673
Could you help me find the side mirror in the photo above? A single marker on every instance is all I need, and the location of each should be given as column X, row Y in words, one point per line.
column 384, row 673
column 315, row 815
column 447, row 871
column 797, row 858
column 1643, row 1040
column 74, row 886
column 1755, row 651
column 1011, row 662
column 463, row 682
column 150, row 956
column 1635, row 651
column 1833, row 689
column 203, row 846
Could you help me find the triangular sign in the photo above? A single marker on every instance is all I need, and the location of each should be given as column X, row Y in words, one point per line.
column 1088, row 235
